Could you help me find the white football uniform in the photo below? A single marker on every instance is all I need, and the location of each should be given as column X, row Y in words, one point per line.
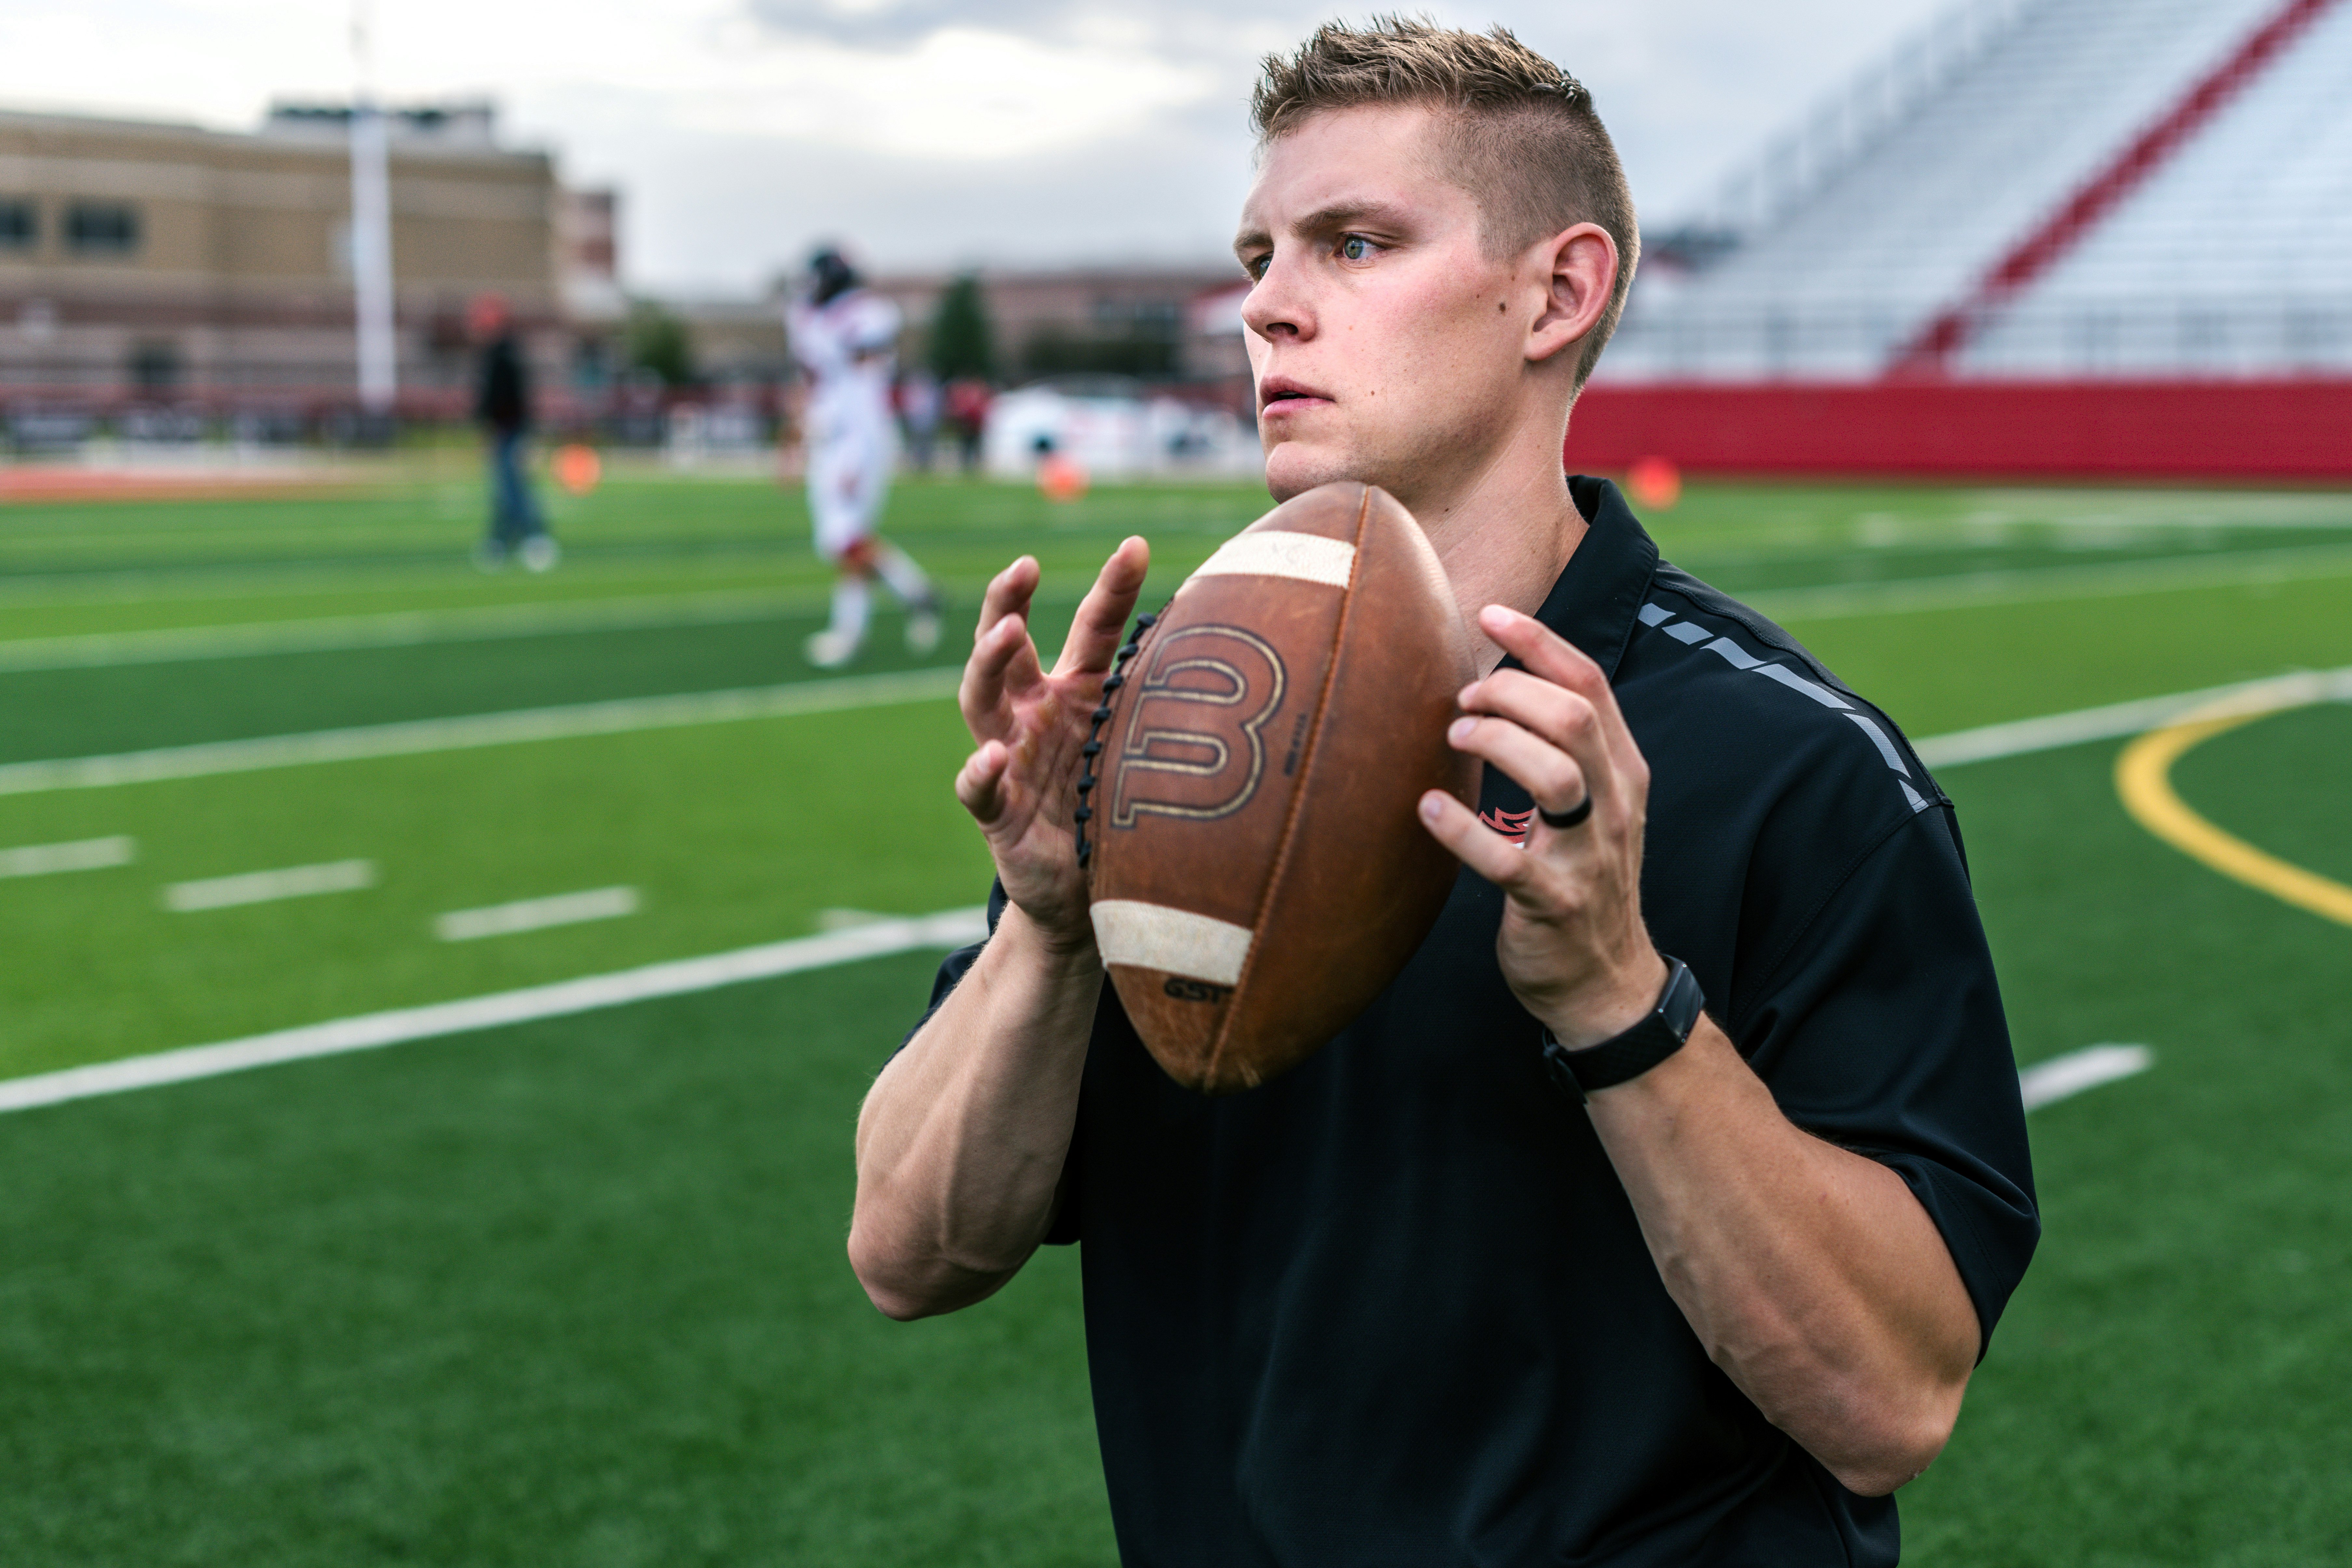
column 847, row 347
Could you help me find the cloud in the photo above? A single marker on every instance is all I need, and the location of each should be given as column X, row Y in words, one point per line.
column 1188, row 28
column 1162, row 194
column 894, row 23
column 930, row 131
column 958, row 95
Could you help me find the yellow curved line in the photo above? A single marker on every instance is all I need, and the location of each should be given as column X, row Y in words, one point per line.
column 2143, row 780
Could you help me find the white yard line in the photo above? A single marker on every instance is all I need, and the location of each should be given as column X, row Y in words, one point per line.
column 952, row 927
column 536, row 914
column 2105, row 511
column 407, row 628
column 2028, row 585
column 2120, row 719
column 81, row 855
column 482, row 623
column 2041, row 1084
column 630, row 714
column 847, row 919
column 2071, row 1074
column 269, row 887
column 420, row 736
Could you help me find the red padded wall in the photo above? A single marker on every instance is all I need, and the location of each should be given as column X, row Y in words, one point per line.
column 2266, row 430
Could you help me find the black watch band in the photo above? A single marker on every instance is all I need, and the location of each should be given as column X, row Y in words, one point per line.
column 1639, row 1049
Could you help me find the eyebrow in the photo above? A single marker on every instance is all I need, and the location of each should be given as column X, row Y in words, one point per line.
column 1327, row 220
column 1351, row 214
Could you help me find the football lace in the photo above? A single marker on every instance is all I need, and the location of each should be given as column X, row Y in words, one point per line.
column 1092, row 748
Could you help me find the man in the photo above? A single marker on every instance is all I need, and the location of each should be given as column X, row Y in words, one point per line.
column 502, row 405
column 921, row 402
column 1516, row 1270
column 967, row 401
column 845, row 340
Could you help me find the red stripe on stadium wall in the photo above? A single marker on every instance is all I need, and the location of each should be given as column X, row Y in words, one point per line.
column 2299, row 430
column 2104, row 191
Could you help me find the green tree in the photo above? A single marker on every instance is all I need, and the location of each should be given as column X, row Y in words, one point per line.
column 962, row 343
column 657, row 340
column 1055, row 351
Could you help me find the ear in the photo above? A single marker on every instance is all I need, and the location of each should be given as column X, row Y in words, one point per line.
column 1578, row 268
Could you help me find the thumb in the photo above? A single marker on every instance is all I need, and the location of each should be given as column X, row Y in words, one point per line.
column 979, row 783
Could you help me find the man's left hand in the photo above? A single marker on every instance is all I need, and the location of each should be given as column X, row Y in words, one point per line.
column 1572, row 943
column 1755, row 1226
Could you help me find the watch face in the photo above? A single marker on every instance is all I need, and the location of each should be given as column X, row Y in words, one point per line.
column 1679, row 1009
column 1639, row 1049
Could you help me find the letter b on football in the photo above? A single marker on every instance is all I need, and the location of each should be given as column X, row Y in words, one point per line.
column 1194, row 744
column 1263, row 873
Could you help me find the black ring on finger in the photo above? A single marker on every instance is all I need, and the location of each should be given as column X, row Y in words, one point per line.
column 1572, row 817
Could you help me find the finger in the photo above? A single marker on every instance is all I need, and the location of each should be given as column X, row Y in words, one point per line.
column 1003, row 662
column 1553, row 658
column 1009, row 592
column 1548, row 710
column 1555, row 716
column 1097, row 630
column 1474, row 844
column 1548, row 775
column 979, row 782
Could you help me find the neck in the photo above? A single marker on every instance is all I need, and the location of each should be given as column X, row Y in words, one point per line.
column 1504, row 534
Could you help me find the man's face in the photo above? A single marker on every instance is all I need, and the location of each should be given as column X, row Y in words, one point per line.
column 1383, row 342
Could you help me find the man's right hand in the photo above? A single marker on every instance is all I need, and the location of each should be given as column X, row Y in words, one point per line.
column 965, row 1136
column 1020, row 785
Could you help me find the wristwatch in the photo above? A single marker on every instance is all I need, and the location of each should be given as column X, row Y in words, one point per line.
column 1638, row 1049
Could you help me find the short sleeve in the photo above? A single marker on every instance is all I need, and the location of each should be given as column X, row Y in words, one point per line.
column 1880, row 1030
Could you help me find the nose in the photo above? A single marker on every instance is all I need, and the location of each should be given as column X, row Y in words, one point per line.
column 1276, row 307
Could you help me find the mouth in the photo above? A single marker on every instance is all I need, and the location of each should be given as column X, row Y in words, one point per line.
column 1280, row 394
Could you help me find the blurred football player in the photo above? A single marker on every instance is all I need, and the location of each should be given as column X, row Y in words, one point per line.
column 844, row 338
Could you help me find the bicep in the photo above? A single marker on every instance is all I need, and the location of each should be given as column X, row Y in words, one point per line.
column 1882, row 1032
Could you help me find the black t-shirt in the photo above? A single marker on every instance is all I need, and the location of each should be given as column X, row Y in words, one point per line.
column 503, row 398
column 1393, row 1308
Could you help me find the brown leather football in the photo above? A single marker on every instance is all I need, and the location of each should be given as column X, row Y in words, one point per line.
column 1249, row 824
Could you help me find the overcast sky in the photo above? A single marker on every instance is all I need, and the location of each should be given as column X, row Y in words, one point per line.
column 924, row 132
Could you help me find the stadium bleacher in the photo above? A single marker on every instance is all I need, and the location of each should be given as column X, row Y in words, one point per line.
column 2235, row 256
column 2229, row 254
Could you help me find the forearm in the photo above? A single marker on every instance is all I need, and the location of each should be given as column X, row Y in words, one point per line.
column 963, row 1139
column 1811, row 1274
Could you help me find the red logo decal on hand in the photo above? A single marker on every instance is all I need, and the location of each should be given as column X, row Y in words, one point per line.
column 1514, row 826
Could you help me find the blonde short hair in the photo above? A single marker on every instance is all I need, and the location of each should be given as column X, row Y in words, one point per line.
column 1525, row 140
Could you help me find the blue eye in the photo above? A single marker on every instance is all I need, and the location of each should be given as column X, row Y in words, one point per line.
column 1356, row 248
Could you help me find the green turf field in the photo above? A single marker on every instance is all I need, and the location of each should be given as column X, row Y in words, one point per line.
column 573, row 1291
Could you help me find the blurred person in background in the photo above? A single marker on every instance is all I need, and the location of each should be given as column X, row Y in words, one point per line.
column 967, row 411
column 844, row 339
column 919, row 409
column 502, row 405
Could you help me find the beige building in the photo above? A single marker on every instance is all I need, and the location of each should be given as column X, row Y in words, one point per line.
column 170, row 272
column 167, row 265
column 1165, row 323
